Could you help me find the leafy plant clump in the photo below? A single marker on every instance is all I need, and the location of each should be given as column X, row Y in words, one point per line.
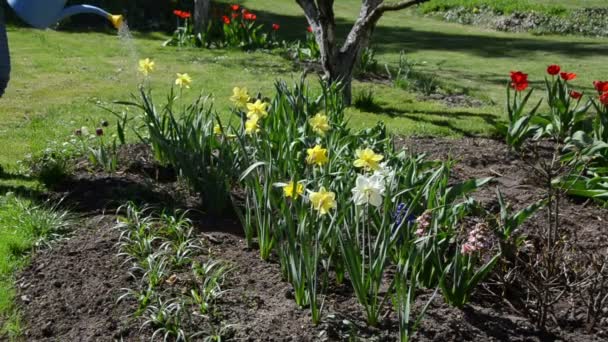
column 566, row 145
column 57, row 161
column 230, row 26
column 162, row 253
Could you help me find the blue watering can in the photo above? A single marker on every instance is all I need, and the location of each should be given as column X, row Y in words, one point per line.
column 41, row 14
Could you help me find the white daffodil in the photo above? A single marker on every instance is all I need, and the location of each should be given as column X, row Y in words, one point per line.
column 388, row 174
column 369, row 190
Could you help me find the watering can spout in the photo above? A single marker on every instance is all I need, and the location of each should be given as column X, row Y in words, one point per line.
column 117, row 21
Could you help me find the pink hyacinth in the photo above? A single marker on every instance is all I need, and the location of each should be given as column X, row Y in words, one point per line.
column 424, row 222
column 477, row 240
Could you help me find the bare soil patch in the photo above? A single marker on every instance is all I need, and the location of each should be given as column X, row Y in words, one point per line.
column 70, row 292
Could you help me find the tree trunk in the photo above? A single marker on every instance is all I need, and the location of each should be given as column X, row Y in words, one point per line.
column 338, row 63
column 201, row 15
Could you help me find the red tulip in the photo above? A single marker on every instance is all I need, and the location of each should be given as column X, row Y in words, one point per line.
column 601, row 86
column 275, row 27
column 235, row 15
column 235, row 7
column 309, row 29
column 518, row 77
column 519, row 80
column 568, row 76
column 520, row 86
column 575, row 94
column 553, row 69
column 249, row 16
column 604, row 99
column 226, row 20
column 181, row 14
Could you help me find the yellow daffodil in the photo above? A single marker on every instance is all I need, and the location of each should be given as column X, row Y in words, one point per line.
column 319, row 124
column 293, row 190
column 317, row 155
column 251, row 125
column 146, row 66
column 240, row 97
column 258, row 109
column 183, row 81
column 323, row 201
column 217, row 129
column 368, row 159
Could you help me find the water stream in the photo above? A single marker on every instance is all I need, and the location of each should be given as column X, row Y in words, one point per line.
column 128, row 43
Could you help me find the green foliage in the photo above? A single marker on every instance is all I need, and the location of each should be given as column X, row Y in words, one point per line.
column 227, row 28
column 183, row 136
column 157, row 249
column 24, row 226
column 367, row 62
column 499, row 6
column 407, row 76
column 580, row 139
column 519, row 125
column 365, row 100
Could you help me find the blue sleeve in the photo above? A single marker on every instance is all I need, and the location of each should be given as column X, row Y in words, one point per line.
column 5, row 60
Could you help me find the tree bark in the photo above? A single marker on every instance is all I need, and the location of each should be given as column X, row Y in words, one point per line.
column 339, row 62
column 201, row 15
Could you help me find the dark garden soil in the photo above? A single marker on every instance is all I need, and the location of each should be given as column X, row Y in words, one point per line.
column 70, row 292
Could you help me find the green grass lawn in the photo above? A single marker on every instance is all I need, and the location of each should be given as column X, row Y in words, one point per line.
column 61, row 80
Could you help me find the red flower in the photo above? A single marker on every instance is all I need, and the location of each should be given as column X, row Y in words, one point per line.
column 553, row 69
column 249, row 16
column 235, row 7
column 226, row 20
column 519, row 77
column 604, row 99
column 575, row 94
column 567, row 76
column 519, row 86
column 519, row 80
column 275, row 27
column 309, row 29
column 235, row 15
column 182, row 14
column 601, row 86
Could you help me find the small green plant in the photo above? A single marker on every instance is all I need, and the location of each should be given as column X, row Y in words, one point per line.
column 209, row 279
column 167, row 319
column 406, row 76
column 159, row 248
column 365, row 100
column 367, row 64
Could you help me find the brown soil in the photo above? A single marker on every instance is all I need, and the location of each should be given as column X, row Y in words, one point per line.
column 70, row 292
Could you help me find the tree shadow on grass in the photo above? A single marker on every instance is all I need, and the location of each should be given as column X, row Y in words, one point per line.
column 391, row 39
column 19, row 190
column 439, row 118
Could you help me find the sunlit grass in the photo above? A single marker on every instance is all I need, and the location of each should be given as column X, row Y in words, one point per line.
column 23, row 227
